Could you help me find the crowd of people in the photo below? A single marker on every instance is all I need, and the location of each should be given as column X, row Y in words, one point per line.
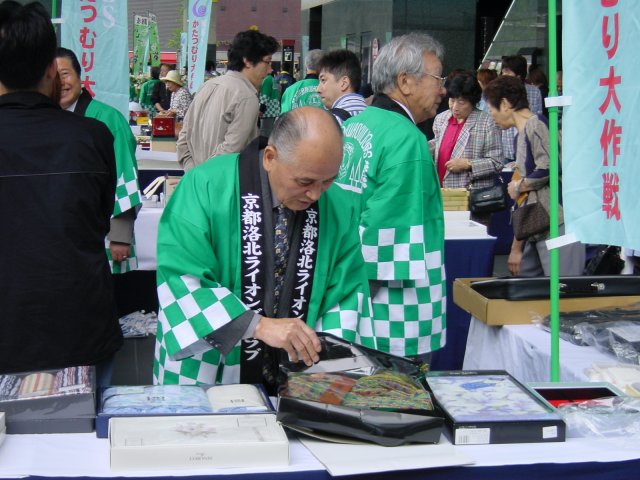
column 304, row 207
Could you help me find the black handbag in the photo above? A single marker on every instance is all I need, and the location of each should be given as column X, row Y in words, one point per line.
column 529, row 220
column 489, row 199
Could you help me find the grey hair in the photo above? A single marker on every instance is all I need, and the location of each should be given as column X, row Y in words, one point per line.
column 289, row 129
column 402, row 55
column 312, row 62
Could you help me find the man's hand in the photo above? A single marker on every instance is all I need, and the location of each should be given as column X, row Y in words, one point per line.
column 291, row 334
column 119, row 251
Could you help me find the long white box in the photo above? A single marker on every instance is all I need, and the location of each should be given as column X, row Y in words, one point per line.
column 183, row 442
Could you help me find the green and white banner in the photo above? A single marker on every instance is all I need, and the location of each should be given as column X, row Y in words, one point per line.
column 97, row 33
column 197, row 36
column 140, row 39
column 154, row 42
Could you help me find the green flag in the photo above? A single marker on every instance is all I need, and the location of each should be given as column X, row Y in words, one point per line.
column 154, row 42
column 140, row 36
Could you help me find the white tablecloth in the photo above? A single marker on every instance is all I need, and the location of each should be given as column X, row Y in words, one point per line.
column 525, row 352
column 74, row 455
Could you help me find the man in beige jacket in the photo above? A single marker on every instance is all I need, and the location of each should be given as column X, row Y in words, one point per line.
column 223, row 117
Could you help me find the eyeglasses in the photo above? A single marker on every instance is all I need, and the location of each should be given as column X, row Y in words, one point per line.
column 441, row 80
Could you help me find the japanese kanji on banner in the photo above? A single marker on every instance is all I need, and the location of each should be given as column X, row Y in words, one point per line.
column 154, row 42
column 600, row 131
column 197, row 36
column 96, row 30
column 140, row 43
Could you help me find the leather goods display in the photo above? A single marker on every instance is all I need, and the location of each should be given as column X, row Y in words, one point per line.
column 514, row 288
column 529, row 220
column 357, row 392
column 489, row 199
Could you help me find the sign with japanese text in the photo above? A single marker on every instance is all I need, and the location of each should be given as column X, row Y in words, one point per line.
column 154, row 42
column 197, row 37
column 96, row 30
column 600, row 135
column 140, row 42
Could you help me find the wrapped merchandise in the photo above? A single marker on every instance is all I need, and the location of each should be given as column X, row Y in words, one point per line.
column 603, row 417
column 360, row 393
column 594, row 322
column 139, row 324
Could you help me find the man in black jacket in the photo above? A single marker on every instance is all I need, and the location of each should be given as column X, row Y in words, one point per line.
column 57, row 187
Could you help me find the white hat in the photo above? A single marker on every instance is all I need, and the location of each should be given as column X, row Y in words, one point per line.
column 173, row 76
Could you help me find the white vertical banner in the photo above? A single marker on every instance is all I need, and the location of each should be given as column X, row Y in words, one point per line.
column 97, row 33
column 197, row 37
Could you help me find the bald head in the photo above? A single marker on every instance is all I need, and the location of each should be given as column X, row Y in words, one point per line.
column 309, row 125
column 303, row 156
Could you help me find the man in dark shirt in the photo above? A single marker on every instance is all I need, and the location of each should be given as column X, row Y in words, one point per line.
column 160, row 96
column 57, row 188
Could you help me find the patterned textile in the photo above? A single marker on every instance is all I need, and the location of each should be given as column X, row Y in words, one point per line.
column 351, row 102
column 199, row 281
column 281, row 251
column 302, row 94
column 270, row 97
column 128, row 194
column 479, row 142
column 388, row 167
column 385, row 389
column 180, row 101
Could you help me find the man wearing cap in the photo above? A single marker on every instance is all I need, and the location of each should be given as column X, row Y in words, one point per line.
column 121, row 244
column 223, row 117
column 251, row 250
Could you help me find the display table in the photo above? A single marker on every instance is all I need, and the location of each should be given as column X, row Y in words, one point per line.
column 152, row 164
column 525, row 352
column 468, row 253
column 83, row 455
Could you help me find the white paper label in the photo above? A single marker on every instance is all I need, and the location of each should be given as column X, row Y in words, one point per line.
column 550, row 432
column 630, row 333
column 472, row 436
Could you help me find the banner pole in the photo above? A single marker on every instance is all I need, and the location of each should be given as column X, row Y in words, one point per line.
column 554, row 187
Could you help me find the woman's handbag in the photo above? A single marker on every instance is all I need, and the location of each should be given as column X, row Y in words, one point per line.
column 529, row 220
column 489, row 199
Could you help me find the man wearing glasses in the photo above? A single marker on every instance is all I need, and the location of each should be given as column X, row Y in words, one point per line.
column 387, row 165
column 257, row 252
column 223, row 117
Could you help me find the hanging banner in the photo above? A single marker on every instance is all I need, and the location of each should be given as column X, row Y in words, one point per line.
column 140, row 41
column 154, row 42
column 97, row 33
column 197, row 36
column 183, row 50
column 600, row 134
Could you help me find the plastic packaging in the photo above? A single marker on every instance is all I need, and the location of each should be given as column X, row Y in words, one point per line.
column 139, row 324
column 603, row 417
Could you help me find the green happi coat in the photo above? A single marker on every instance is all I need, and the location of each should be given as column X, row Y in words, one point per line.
column 124, row 144
column 387, row 165
column 301, row 94
column 200, row 266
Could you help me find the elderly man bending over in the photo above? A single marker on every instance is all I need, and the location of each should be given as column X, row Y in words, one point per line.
column 252, row 252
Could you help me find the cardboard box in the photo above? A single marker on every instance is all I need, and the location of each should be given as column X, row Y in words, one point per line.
column 507, row 312
column 51, row 401
column 218, row 441
column 179, row 400
column 489, row 407
column 159, row 144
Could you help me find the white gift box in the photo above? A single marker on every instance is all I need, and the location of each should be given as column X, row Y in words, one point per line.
column 183, row 442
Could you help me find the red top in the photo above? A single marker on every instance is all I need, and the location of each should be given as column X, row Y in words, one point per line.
column 446, row 147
